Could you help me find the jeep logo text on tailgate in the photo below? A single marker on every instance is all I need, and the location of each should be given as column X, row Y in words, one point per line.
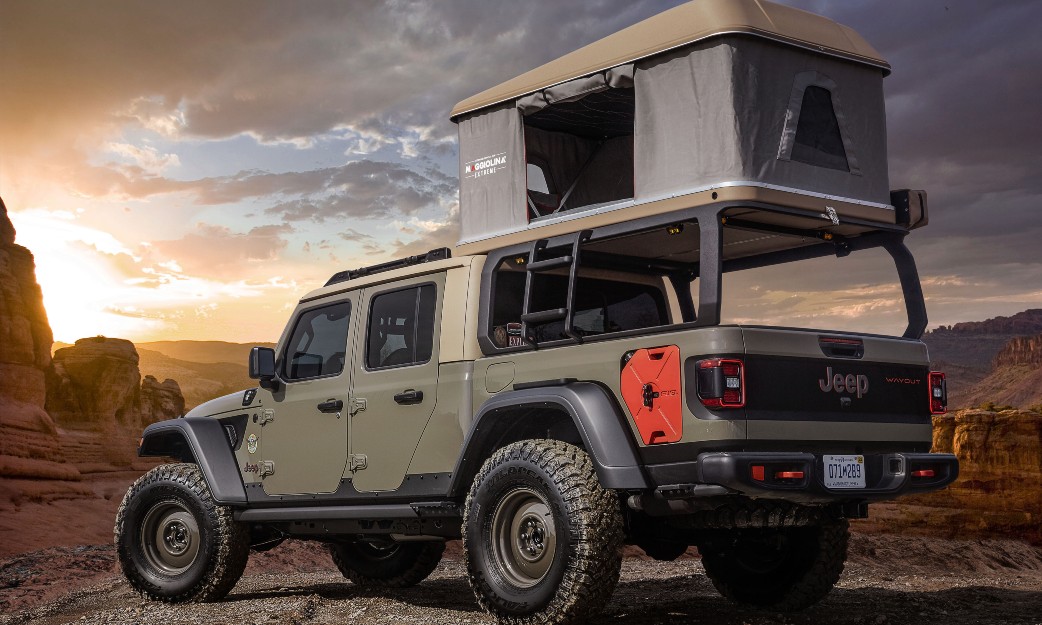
column 840, row 383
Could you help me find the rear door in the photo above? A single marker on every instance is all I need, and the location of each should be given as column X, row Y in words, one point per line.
column 396, row 376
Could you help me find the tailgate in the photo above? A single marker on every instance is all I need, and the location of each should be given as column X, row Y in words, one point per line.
column 839, row 382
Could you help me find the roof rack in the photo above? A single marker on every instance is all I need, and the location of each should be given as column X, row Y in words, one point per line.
column 440, row 253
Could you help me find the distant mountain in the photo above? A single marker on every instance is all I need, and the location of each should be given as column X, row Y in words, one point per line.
column 200, row 381
column 203, row 369
column 967, row 351
column 206, row 351
column 1016, row 378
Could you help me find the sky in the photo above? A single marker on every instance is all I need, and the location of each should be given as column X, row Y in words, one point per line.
column 190, row 169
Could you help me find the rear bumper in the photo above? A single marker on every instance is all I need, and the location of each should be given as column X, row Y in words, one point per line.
column 888, row 476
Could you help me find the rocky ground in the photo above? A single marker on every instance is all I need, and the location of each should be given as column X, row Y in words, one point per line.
column 888, row 580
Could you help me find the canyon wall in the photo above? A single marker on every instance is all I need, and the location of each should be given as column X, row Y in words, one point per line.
column 29, row 442
column 999, row 489
column 1015, row 379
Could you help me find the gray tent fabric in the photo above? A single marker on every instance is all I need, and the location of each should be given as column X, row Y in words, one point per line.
column 492, row 173
column 716, row 113
column 615, row 78
column 686, row 129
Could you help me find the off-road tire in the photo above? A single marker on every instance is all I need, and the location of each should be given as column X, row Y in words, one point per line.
column 580, row 548
column 169, row 499
column 796, row 575
column 387, row 564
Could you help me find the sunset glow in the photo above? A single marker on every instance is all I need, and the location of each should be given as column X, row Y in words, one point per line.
column 191, row 173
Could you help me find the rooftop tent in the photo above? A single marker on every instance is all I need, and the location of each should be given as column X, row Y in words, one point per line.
column 712, row 94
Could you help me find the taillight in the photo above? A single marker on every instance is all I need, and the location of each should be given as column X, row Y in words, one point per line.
column 721, row 383
column 938, row 393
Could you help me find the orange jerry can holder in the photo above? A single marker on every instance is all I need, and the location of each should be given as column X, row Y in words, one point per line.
column 651, row 388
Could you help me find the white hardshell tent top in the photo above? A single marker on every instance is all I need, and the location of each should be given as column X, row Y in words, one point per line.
column 744, row 97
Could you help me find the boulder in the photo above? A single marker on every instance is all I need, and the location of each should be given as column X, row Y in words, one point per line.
column 96, row 384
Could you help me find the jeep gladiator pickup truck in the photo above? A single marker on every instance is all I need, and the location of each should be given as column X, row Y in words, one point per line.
column 567, row 380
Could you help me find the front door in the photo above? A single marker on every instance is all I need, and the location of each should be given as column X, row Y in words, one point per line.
column 396, row 375
column 304, row 437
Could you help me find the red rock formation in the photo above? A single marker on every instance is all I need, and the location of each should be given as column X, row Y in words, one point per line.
column 967, row 353
column 998, row 490
column 160, row 400
column 1016, row 378
column 96, row 384
column 29, row 444
column 1025, row 350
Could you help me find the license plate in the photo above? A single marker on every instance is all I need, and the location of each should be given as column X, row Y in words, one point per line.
column 844, row 471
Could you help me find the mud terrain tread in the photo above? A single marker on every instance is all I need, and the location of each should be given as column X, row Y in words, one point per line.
column 810, row 588
column 595, row 526
column 231, row 539
column 418, row 561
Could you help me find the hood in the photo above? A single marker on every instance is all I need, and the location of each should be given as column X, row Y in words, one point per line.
column 229, row 403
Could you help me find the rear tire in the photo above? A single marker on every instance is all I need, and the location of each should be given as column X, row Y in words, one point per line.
column 542, row 538
column 173, row 542
column 778, row 569
column 384, row 563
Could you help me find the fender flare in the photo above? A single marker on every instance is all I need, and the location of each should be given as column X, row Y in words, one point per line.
column 200, row 440
column 604, row 430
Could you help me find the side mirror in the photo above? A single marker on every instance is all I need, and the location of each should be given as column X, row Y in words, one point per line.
column 262, row 366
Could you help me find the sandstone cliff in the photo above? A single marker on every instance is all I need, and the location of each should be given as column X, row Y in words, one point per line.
column 96, row 384
column 998, row 490
column 29, row 444
column 967, row 352
column 1016, row 377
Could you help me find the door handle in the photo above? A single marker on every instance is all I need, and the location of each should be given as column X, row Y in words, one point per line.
column 333, row 405
column 409, row 397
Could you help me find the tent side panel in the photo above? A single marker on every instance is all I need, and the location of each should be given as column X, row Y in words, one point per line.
column 492, row 173
column 685, row 131
column 769, row 83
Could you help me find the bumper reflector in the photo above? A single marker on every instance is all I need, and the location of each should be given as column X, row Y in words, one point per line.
column 923, row 473
column 788, row 475
column 757, row 473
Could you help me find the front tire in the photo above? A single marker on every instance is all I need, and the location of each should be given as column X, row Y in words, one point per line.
column 384, row 563
column 174, row 543
column 542, row 539
column 784, row 569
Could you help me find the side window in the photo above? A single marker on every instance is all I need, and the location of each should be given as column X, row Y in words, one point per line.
column 401, row 327
column 601, row 306
column 318, row 345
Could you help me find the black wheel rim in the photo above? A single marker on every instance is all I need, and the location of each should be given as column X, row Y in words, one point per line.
column 524, row 537
column 170, row 537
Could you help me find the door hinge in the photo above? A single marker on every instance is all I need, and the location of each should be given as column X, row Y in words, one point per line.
column 358, row 462
column 265, row 467
column 266, row 415
column 356, row 405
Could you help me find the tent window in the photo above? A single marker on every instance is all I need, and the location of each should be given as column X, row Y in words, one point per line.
column 584, row 148
column 818, row 140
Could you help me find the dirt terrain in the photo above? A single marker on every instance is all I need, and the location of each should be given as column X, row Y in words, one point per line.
column 888, row 580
